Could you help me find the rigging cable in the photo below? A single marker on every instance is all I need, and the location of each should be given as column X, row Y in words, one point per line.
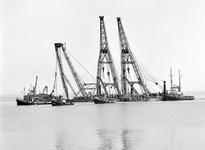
column 81, row 65
column 148, row 73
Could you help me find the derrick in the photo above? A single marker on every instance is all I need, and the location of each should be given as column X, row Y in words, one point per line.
column 76, row 77
column 127, row 58
column 74, row 73
column 60, row 66
column 80, row 84
column 106, row 66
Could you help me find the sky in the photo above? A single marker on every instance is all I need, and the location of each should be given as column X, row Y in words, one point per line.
column 162, row 35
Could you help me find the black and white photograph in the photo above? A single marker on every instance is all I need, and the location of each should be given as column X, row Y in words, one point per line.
column 102, row 74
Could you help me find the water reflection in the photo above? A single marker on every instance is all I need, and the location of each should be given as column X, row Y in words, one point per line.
column 140, row 139
column 76, row 139
column 126, row 139
column 61, row 140
column 106, row 138
column 172, row 138
column 132, row 139
column 123, row 139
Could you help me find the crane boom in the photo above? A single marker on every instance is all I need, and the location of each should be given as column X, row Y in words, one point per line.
column 73, row 71
column 59, row 61
column 70, row 85
column 34, row 88
column 105, row 57
column 128, row 58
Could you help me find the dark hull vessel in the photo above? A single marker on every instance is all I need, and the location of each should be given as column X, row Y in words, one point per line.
column 97, row 100
column 39, row 99
column 172, row 97
column 175, row 93
column 23, row 102
column 32, row 98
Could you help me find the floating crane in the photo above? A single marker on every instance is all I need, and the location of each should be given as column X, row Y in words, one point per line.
column 74, row 73
column 105, row 61
column 80, row 84
column 128, row 58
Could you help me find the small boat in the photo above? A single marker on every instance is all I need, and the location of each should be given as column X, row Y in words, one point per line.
column 59, row 101
column 175, row 93
column 98, row 100
column 23, row 102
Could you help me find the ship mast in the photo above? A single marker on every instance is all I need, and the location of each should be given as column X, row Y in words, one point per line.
column 128, row 58
column 105, row 61
column 171, row 80
column 179, row 81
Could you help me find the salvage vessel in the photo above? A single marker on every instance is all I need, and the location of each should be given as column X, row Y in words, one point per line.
column 32, row 98
column 175, row 93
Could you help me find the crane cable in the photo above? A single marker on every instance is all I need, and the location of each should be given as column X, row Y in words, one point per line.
column 153, row 79
column 81, row 66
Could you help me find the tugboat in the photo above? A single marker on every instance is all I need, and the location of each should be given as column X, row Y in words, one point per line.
column 25, row 101
column 35, row 99
column 38, row 99
column 175, row 93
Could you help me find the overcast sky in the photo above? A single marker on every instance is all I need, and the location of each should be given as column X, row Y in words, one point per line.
column 161, row 34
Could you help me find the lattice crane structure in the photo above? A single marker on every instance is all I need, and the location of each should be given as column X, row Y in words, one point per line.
column 106, row 66
column 60, row 66
column 128, row 60
column 80, row 84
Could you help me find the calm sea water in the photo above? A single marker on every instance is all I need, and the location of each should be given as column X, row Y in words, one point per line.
column 121, row 126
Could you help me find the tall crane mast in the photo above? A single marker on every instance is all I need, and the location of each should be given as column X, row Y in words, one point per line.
column 126, row 59
column 59, row 61
column 34, row 88
column 105, row 57
column 74, row 73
